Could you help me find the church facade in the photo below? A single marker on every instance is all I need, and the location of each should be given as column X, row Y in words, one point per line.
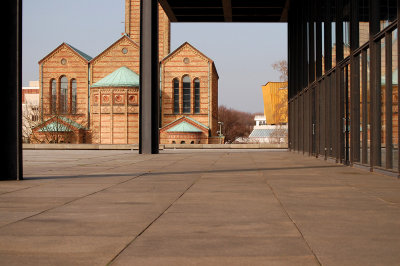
column 86, row 99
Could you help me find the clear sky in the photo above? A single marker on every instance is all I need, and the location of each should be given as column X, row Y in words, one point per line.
column 243, row 53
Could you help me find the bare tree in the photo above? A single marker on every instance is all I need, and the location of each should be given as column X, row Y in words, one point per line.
column 282, row 67
column 30, row 119
column 237, row 124
column 280, row 134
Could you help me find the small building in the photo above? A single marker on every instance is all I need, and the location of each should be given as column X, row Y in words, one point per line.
column 275, row 96
column 30, row 109
column 272, row 127
column 265, row 133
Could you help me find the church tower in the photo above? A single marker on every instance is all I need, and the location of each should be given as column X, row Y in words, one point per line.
column 132, row 26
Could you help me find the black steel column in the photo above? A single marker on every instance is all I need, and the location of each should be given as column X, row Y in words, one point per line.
column 388, row 100
column 323, row 114
column 318, row 37
column 328, row 36
column 398, row 89
column 355, row 83
column 149, row 79
column 317, row 119
column 332, row 115
column 375, row 80
column 365, row 109
column 12, row 91
column 290, row 79
column 311, row 46
column 340, row 144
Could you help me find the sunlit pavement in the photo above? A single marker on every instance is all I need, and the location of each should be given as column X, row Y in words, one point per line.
column 219, row 207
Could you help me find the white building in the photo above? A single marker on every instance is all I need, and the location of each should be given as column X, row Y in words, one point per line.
column 30, row 108
column 264, row 133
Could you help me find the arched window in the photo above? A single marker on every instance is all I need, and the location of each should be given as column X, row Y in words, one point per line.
column 176, row 96
column 63, row 95
column 73, row 96
column 186, row 94
column 53, row 104
column 196, row 95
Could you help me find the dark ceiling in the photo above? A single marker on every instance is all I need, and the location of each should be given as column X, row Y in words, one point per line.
column 226, row 10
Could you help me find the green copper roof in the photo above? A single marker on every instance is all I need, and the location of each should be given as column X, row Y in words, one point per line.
column 197, row 122
column 122, row 77
column 59, row 127
column 184, row 127
column 71, row 122
column 55, row 127
column 86, row 56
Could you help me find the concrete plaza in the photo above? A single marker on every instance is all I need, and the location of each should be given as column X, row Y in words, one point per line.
column 203, row 207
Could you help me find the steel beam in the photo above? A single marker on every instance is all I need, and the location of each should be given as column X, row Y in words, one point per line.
column 149, row 79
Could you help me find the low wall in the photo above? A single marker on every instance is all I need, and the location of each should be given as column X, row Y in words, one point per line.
column 162, row 146
column 26, row 146
column 226, row 146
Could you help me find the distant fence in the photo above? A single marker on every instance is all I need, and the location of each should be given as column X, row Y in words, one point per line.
column 162, row 146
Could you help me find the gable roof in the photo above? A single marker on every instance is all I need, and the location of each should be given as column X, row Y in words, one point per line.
column 195, row 49
column 55, row 127
column 185, row 124
column 85, row 57
column 62, row 124
column 184, row 127
column 113, row 44
column 183, row 45
column 122, row 77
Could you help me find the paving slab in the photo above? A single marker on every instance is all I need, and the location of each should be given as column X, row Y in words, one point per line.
column 196, row 207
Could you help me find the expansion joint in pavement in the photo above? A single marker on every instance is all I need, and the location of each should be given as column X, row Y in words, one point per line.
column 287, row 214
column 159, row 216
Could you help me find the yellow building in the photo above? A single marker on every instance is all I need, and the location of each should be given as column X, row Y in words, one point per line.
column 275, row 95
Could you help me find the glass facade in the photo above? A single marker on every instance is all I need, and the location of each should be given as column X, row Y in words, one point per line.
column 356, row 96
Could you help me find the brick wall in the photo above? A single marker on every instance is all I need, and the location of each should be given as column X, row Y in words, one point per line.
column 113, row 58
column 132, row 26
column 75, row 68
column 115, row 115
column 195, row 66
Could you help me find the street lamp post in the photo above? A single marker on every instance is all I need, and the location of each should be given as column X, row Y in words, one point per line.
column 220, row 131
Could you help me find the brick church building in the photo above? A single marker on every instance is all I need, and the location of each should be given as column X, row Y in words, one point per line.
column 86, row 99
